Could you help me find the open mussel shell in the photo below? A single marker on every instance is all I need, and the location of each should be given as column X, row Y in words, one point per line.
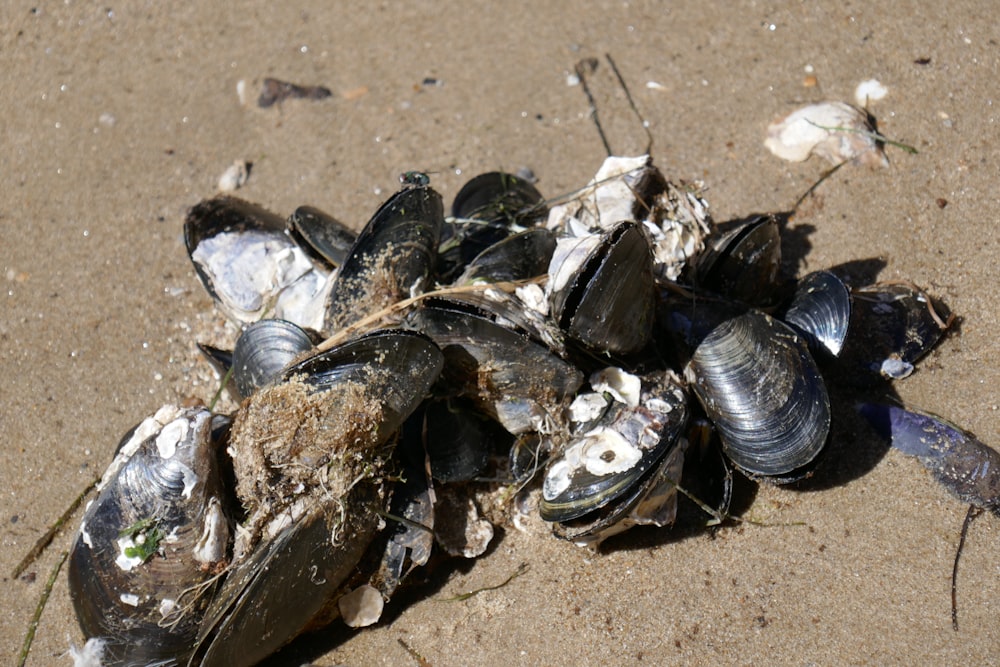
column 601, row 289
column 250, row 266
column 392, row 258
column 488, row 209
column 821, row 312
column 607, row 456
column 510, row 377
column 967, row 468
column 143, row 566
column 743, row 264
column 892, row 326
column 499, row 197
column 761, row 388
column 263, row 350
column 330, row 239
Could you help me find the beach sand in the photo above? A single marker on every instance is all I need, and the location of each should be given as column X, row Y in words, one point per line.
column 118, row 119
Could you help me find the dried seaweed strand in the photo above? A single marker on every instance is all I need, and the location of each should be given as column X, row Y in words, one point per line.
column 970, row 516
column 47, row 538
column 521, row 569
column 42, row 600
column 421, row 660
column 871, row 134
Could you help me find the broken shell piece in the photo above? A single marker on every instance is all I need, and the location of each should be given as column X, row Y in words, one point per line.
column 361, row 607
column 234, row 176
column 461, row 530
column 869, row 90
column 835, row 131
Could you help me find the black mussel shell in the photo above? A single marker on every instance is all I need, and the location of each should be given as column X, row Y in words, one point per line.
column 263, row 350
column 508, row 376
column 316, row 230
column 821, row 312
column 143, row 567
column 602, row 291
column 606, row 457
column 761, row 388
column 518, row 257
column 392, row 258
column 458, row 439
column 487, row 209
column 290, row 584
column 892, row 326
column 743, row 264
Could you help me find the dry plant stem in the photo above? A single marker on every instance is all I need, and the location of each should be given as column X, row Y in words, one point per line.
column 373, row 320
column 970, row 516
column 46, row 539
column 42, row 600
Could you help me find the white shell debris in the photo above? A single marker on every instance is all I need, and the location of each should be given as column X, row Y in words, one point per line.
column 625, row 387
column 459, row 527
column 677, row 220
column 835, row 131
column 869, row 90
column 91, row 655
column 234, row 176
column 361, row 607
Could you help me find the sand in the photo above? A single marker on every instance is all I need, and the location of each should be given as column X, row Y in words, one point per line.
column 118, row 119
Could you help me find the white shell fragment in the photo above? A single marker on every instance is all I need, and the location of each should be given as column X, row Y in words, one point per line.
column 624, row 387
column 869, row 90
column 361, row 607
column 234, row 176
column 677, row 223
column 835, row 131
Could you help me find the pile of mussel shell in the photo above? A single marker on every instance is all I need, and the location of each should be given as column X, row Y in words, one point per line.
column 576, row 351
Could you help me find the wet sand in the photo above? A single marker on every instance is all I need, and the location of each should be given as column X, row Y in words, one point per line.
column 117, row 121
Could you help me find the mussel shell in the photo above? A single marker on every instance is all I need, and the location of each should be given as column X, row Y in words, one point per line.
column 263, row 350
column 518, row 257
column 458, row 439
column 290, row 584
column 606, row 458
column 507, row 375
column 311, row 456
column 601, row 289
column 892, row 326
column 499, row 197
column 164, row 485
column 743, row 264
column 392, row 258
column 761, row 388
column 966, row 467
column 821, row 312
column 330, row 239
column 250, row 266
